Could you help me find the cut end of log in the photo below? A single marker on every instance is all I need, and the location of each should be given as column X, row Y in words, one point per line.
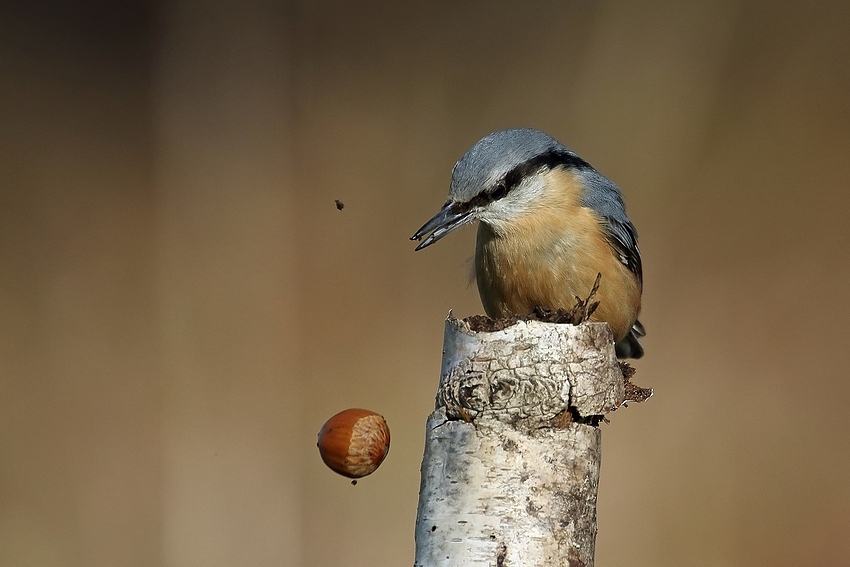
column 501, row 369
column 485, row 324
column 578, row 314
column 530, row 374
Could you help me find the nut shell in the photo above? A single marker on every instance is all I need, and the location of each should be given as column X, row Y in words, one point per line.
column 354, row 442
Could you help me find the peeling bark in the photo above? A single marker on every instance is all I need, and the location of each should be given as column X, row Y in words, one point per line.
column 512, row 452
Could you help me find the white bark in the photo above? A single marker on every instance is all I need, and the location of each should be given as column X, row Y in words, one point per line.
column 512, row 454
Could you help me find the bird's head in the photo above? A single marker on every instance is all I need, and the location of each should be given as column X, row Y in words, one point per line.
column 500, row 179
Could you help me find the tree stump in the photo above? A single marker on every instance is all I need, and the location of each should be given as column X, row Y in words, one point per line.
column 512, row 452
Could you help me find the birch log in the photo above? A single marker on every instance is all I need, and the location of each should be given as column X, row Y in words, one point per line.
column 512, row 452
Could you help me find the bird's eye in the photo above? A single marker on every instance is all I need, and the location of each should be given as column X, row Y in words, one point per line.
column 499, row 191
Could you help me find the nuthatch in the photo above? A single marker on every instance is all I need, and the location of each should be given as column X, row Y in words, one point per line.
column 550, row 223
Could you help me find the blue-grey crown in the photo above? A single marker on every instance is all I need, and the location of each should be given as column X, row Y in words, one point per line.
column 492, row 157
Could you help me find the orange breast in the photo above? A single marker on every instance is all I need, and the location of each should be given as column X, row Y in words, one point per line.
column 549, row 258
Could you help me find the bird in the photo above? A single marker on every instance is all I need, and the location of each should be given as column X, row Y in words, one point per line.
column 549, row 224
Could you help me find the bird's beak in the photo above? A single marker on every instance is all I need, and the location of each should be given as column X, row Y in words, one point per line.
column 450, row 217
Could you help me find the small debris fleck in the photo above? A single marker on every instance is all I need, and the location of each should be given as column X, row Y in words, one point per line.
column 339, row 204
column 501, row 555
column 353, row 483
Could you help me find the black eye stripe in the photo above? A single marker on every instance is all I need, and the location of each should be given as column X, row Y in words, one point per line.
column 547, row 160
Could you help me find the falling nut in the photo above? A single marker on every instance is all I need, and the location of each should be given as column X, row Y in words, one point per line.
column 354, row 442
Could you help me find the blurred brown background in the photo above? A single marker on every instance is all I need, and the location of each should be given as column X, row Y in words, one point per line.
column 182, row 305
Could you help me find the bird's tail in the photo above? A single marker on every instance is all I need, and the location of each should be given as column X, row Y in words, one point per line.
column 629, row 347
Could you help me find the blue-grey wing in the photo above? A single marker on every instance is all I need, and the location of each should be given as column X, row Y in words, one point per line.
column 603, row 196
column 622, row 237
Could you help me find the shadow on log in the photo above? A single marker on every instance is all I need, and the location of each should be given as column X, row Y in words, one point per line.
column 512, row 452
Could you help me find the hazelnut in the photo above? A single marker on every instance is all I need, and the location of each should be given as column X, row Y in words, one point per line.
column 354, row 442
